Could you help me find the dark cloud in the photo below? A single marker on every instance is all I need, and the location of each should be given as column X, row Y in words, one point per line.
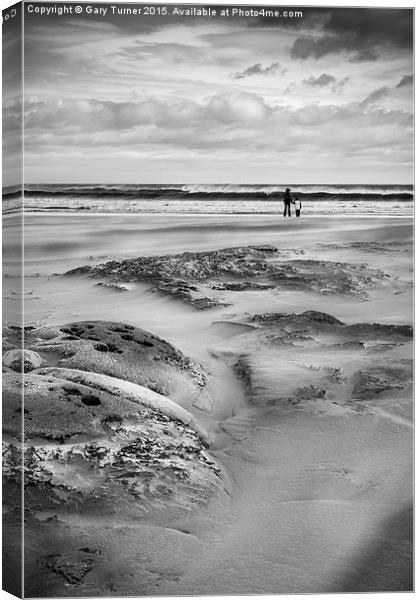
column 306, row 47
column 406, row 80
column 377, row 26
column 11, row 95
column 360, row 33
column 376, row 95
column 380, row 26
column 325, row 80
column 257, row 69
column 12, row 52
column 365, row 55
column 321, row 81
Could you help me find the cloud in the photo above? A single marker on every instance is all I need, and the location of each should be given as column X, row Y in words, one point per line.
column 376, row 95
column 74, row 117
column 321, row 81
column 306, row 47
column 364, row 55
column 238, row 106
column 257, row 69
column 387, row 27
column 406, row 80
column 151, row 94
column 338, row 87
column 238, row 121
column 325, row 80
column 359, row 33
column 235, row 133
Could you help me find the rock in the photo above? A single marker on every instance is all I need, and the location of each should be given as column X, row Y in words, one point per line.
column 319, row 317
column 329, row 277
column 113, row 287
column 381, row 330
column 100, row 443
column 335, row 374
column 375, row 247
column 188, row 294
column 307, row 318
column 312, row 321
column 379, row 379
column 22, row 360
column 76, row 404
column 237, row 269
column 272, row 357
column 207, row 303
column 177, row 275
column 239, row 286
column 125, row 352
column 71, row 568
column 310, row 392
column 190, row 266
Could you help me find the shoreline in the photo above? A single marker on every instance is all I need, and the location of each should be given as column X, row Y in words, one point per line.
column 207, row 214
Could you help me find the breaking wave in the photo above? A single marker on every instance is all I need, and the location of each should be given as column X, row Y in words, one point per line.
column 224, row 199
column 216, row 192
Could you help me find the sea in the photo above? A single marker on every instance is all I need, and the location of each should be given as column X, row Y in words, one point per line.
column 373, row 200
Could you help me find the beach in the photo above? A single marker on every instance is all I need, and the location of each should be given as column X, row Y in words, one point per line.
column 233, row 409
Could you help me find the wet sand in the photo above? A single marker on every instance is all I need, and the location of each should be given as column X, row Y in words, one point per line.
column 308, row 418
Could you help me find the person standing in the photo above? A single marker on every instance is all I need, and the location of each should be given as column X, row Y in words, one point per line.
column 298, row 206
column 287, row 202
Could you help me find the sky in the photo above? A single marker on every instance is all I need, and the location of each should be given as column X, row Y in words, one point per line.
column 12, row 97
column 323, row 98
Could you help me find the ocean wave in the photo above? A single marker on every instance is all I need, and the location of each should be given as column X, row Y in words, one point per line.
column 213, row 192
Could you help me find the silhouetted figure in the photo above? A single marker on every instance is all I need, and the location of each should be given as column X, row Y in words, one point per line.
column 298, row 206
column 287, row 202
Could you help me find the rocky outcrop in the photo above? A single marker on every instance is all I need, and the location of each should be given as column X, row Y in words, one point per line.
column 94, row 441
column 107, row 419
column 123, row 351
column 374, row 247
column 192, row 276
column 307, row 318
column 313, row 322
column 107, row 431
column 377, row 380
column 324, row 355
column 191, row 266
